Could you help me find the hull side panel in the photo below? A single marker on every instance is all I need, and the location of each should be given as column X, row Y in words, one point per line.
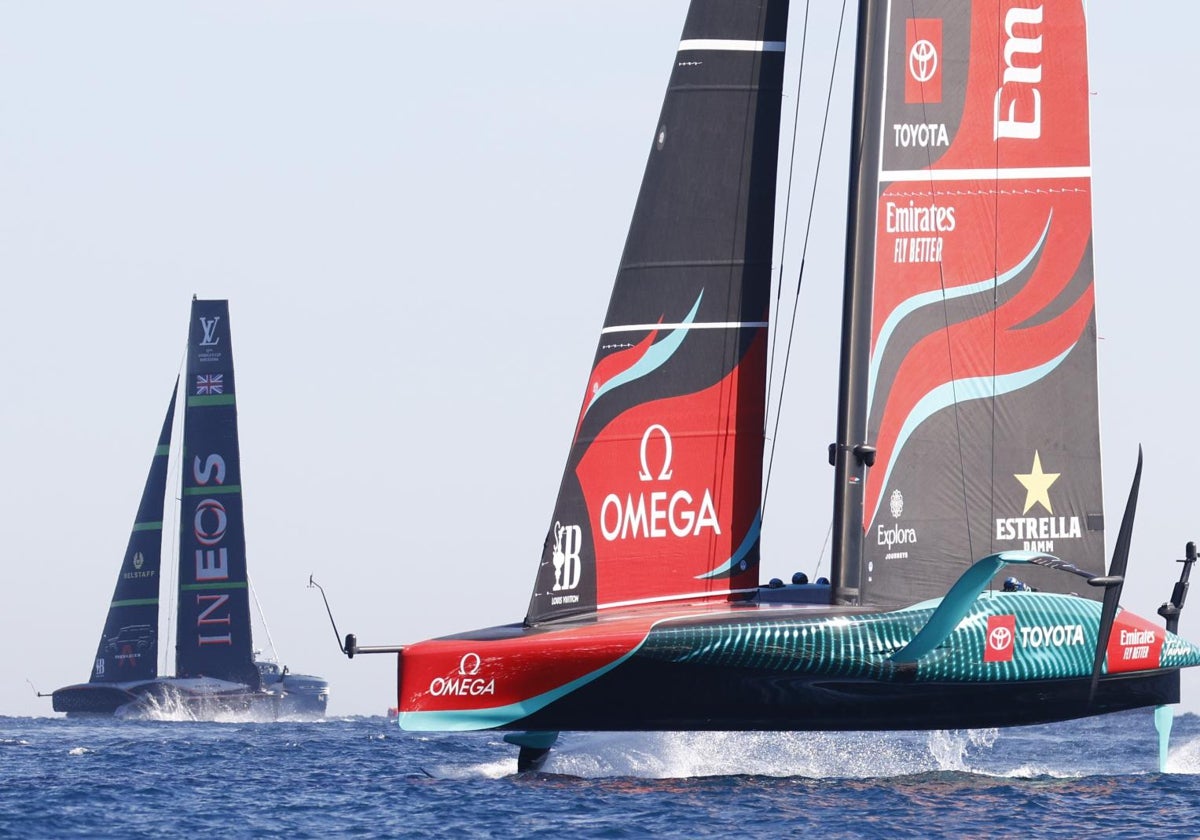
column 1014, row 658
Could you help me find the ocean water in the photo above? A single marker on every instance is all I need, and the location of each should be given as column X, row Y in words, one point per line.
column 362, row 777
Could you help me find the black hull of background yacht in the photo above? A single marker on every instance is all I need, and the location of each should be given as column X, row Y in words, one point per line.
column 294, row 697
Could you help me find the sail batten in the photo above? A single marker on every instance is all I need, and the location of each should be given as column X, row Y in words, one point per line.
column 723, row 325
column 1025, row 173
column 718, row 44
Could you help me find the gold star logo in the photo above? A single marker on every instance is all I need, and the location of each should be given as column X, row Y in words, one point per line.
column 1037, row 485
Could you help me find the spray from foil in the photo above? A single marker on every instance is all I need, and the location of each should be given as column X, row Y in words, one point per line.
column 816, row 755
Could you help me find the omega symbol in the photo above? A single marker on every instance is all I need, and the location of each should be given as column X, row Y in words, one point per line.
column 468, row 666
column 665, row 473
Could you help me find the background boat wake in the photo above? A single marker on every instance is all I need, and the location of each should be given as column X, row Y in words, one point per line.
column 171, row 706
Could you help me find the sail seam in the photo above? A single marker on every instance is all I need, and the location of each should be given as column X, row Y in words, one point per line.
column 691, row 88
column 695, row 264
column 708, row 593
column 212, row 491
column 232, row 584
column 1010, row 174
column 722, row 44
column 210, row 400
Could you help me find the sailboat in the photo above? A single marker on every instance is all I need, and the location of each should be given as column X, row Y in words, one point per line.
column 215, row 666
column 968, row 585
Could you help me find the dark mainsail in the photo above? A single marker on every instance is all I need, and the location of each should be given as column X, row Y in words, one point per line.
column 214, row 608
column 128, row 648
column 661, row 493
column 978, row 383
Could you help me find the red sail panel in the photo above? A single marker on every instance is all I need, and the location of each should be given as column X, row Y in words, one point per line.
column 982, row 382
column 665, row 485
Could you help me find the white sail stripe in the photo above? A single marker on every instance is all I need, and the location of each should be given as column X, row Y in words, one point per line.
column 736, row 46
column 664, row 598
column 708, row 325
column 1036, row 173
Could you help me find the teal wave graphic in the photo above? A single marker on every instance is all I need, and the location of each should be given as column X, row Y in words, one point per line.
column 747, row 543
column 1056, row 638
column 466, row 720
column 958, row 391
column 926, row 298
column 654, row 358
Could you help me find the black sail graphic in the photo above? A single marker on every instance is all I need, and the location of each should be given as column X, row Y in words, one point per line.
column 128, row 648
column 214, row 610
column 660, row 497
column 979, row 379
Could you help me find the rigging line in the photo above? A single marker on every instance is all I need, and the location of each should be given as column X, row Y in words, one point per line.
column 821, row 556
column 262, row 616
column 787, row 209
column 721, row 459
column 803, row 253
column 941, row 267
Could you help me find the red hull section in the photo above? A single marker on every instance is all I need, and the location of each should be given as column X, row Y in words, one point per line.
column 489, row 676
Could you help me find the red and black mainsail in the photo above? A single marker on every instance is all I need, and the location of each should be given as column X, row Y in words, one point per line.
column 661, row 493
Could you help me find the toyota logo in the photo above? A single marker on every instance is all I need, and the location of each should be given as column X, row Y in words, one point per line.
column 922, row 60
column 1000, row 639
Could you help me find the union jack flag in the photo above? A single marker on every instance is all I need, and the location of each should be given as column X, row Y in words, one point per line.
column 210, row 383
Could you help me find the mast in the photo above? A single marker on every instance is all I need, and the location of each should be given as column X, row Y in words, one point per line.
column 849, row 458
